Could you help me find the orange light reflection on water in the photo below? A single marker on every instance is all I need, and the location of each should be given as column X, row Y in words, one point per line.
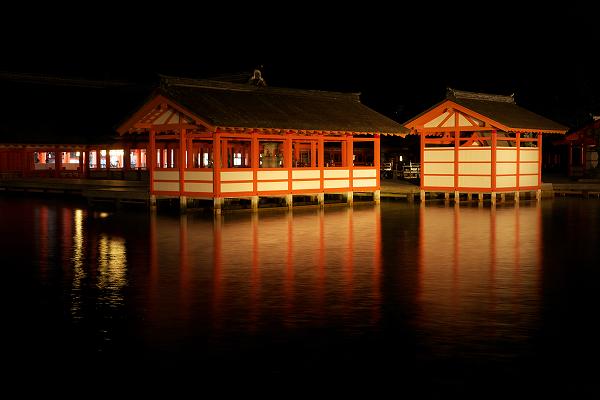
column 300, row 267
column 473, row 263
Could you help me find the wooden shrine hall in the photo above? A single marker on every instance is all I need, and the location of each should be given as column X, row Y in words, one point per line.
column 217, row 140
column 480, row 143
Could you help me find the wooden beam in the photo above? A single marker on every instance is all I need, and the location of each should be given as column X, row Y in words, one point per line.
column 450, row 113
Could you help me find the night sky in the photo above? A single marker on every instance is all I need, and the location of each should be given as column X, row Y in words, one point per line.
column 401, row 57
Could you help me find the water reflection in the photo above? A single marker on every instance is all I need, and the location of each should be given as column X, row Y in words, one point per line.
column 445, row 294
column 298, row 268
column 78, row 266
column 479, row 274
column 112, row 268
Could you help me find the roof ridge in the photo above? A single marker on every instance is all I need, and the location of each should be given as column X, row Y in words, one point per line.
column 461, row 94
column 169, row 81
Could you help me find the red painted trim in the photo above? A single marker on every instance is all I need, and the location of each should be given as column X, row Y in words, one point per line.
column 182, row 164
column 151, row 105
column 217, row 165
column 321, row 159
column 456, row 148
column 539, row 138
column 493, row 158
column 518, row 174
column 350, row 157
column 422, row 151
column 255, row 150
column 377, row 158
column 451, row 113
column 287, row 160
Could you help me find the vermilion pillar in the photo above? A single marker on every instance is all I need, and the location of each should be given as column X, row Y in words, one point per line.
column 182, row 160
column 377, row 157
column 151, row 158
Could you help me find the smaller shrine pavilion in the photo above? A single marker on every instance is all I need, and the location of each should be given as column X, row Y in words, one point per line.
column 481, row 143
column 582, row 148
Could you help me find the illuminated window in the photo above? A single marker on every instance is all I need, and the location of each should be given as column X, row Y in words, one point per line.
column 271, row 155
column 237, row 159
column 238, row 154
column 301, row 154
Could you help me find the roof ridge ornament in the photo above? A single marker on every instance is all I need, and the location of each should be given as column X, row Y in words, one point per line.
column 256, row 79
column 461, row 94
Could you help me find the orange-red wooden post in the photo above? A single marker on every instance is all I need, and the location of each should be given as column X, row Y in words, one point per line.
column 216, row 164
column 321, row 158
column 287, row 156
column 540, row 160
column 376, row 161
column 224, row 154
column 182, row 160
column 518, row 139
column 254, row 159
column 494, row 138
column 151, row 158
column 456, row 147
column 422, row 151
column 350, row 156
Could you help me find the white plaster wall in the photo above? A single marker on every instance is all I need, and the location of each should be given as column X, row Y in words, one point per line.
column 303, row 185
column 236, row 187
column 166, row 186
column 529, row 155
column 439, row 155
column 475, row 154
column 506, row 181
column 364, row 182
column 166, row 175
column 271, row 186
column 438, row 181
column 506, row 154
column 474, row 168
column 334, row 184
column 506, row 168
column 364, row 173
column 438, row 168
column 198, row 187
column 475, row 181
column 336, row 173
column 271, row 175
column 237, row 176
column 199, row 175
column 528, row 180
column 306, row 174
column 528, row 168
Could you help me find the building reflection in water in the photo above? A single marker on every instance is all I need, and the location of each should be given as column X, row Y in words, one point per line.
column 479, row 271
column 78, row 260
column 247, row 271
column 112, row 269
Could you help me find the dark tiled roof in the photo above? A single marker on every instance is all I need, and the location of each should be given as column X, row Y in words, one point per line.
column 503, row 109
column 241, row 105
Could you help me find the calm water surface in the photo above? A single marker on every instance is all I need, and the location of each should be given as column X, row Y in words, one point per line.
column 401, row 297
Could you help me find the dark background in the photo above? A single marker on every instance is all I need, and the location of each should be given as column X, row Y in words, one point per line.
column 401, row 57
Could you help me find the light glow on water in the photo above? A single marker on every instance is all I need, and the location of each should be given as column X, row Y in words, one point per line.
column 426, row 295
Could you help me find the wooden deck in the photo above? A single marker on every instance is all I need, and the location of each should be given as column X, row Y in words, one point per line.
column 94, row 190
column 398, row 189
column 119, row 192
